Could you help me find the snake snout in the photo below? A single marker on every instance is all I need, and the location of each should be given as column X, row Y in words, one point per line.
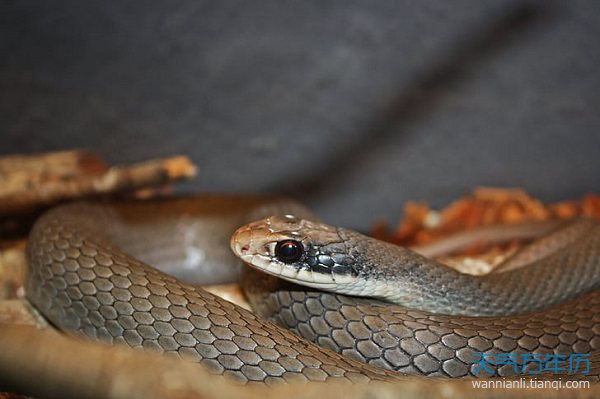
column 249, row 240
column 240, row 241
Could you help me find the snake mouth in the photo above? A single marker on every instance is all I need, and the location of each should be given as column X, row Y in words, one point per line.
column 292, row 273
column 260, row 257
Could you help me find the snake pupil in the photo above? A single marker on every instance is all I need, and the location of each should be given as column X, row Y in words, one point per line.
column 289, row 251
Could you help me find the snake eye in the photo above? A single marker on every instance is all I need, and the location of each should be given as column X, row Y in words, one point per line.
column 289, row 251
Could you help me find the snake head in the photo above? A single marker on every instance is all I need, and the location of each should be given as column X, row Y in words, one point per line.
column 298, row 250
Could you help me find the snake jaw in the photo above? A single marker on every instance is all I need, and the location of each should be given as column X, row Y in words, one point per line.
column 287, row 272
column 255, row 244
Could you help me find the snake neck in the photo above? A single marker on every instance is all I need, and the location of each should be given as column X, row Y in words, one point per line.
column 412, row 280
column 399, row 275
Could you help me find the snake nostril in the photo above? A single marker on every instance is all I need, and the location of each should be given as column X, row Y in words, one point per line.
column 244, row 249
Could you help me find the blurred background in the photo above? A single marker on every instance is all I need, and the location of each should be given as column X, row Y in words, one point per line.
column 353, row 107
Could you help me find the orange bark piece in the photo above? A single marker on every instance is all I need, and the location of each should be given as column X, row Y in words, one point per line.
column 484, row 206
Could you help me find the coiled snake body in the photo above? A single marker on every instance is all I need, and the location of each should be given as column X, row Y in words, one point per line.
column 89, row 273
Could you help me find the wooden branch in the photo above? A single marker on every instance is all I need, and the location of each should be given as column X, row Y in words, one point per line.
column 28, row 183
column 15, row 170
column 47, row 365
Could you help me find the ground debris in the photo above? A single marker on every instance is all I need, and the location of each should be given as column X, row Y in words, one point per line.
column 485, row 206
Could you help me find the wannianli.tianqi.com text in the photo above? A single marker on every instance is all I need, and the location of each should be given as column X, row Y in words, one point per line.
column 529, row 383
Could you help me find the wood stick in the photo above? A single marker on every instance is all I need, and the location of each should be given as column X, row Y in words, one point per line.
column 46, row 365
column 35, row 186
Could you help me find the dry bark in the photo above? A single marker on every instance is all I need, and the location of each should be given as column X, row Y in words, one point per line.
column 31, row 182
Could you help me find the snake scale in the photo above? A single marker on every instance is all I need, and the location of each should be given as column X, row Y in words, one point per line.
column 89, row 273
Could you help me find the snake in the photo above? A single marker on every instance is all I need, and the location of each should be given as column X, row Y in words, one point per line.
column 128, row 272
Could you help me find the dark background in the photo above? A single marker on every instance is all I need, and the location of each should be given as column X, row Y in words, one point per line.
column 352, row 106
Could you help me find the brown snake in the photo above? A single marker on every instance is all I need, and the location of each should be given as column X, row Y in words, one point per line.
column 83, row 277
